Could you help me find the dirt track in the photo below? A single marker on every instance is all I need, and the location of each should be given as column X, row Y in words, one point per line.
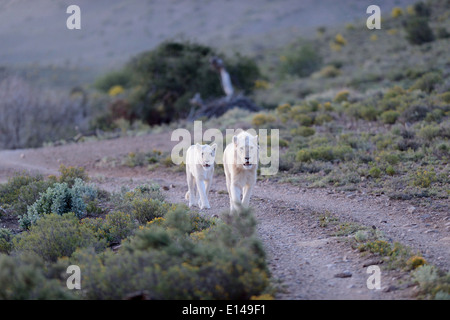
column 304, row 257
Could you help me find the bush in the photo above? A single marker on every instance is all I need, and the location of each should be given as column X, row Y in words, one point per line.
column 60, row 199
column 415, row 112
column 342, row 96
column 303, row 131
column 23, row 277
column 415, row 262
column 424, row 178
column 427, row 82
column 32, row 116
column 418, row 31
column 375, row 172
column 122, row 78
column 145, row 210
column 20, row 191
column 389, row 117
column 429, row 132
column 5, row 240
column 54, row 236
column 324, row 153
column 329, row 72
column 115, row 227
column 166, row 78
column 261, row 119
column 396, row 12
column 301, row 61
column 163, row 261
column 70, row 174
column 422, row 9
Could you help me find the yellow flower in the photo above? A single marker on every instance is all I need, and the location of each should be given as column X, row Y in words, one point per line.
column 392, row 32
column 396, row 12
column 115, row 90
column 339, row 39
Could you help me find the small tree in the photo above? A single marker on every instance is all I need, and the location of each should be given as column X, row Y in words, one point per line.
column 418, row 31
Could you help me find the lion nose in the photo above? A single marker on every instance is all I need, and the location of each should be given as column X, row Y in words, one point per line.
column 247, row 158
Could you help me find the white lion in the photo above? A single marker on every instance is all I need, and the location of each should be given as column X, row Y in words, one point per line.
column 199, row 172
column 240, row 162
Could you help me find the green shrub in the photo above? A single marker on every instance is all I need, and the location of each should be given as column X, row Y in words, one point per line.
column 322, row 118
column 422, row 9
column 424, row 177
column 303, row 131
column 123, row 78
column 427, row 82
column 60, row 199
column 301, row 61
column 22, row 190
column 418, row 31
column 303, row 119
column 329, row 71
column 54, row 236
column 342, row 96
column 5, row 240
column 415, row 112
column 390, row 170
column 70, row 174
column 433, row 283
column 442, row 33
column 445, row 97
column 261, row 119
column 369, row 113
column 380, row 247
column 23, row 277
column 115, row 227
column 145, row 210
column 415, row 262
column 389, row 117
column 324, row 153
column 425, row 275
column 167, row 77
column 429, row 132
column 228, row 262
column 375, row 172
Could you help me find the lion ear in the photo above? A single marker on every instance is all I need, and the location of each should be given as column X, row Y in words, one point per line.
column 256, row 138
column 198, row 146
column 214, row 146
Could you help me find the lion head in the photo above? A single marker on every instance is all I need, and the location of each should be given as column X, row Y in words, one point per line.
column 246, row 147
column 206, row 155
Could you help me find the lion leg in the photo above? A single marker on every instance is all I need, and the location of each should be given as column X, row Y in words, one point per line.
column 235, row 198
column 228, row 182
column 247, row 194
column 203, row 202
column 191, row 190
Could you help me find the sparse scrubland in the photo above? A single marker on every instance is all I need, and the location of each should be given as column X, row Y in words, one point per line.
column 126, row 242
column 358, row 110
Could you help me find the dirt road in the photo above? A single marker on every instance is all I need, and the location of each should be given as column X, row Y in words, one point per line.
column 306, row 260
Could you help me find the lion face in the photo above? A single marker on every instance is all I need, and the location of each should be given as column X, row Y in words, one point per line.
column 246, row 147
column 206, row 155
